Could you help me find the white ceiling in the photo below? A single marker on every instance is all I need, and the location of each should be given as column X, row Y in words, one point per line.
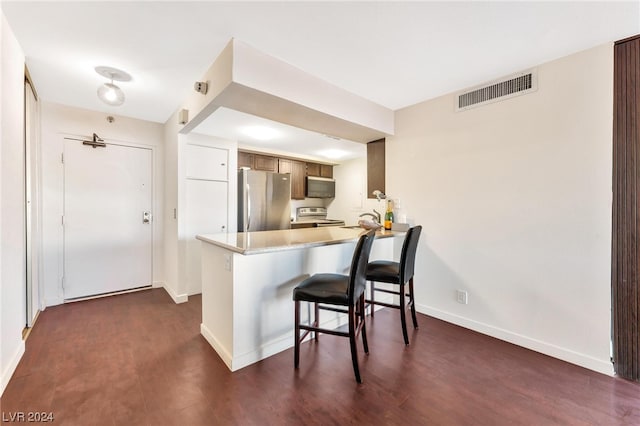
column 230, row 124
column 393, row 53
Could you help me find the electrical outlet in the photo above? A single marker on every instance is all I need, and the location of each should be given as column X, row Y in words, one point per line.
column 462, row 297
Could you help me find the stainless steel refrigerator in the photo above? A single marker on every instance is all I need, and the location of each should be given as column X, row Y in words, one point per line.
column 264, row 201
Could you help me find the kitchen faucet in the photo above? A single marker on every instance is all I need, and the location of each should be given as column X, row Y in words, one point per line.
column 375, row 215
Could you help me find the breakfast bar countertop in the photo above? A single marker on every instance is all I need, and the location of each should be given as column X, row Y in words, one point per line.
column 287, row 239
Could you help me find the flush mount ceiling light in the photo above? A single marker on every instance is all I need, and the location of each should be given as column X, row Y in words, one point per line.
column 109, row 93
column 334, row 154
column 261, row 133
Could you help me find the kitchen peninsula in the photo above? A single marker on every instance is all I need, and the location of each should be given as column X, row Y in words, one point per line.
column 248, row 278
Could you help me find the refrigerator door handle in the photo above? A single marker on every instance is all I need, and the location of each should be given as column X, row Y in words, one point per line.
column 248, row 208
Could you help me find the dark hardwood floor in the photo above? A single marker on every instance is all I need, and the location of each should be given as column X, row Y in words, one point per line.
column 139, row 359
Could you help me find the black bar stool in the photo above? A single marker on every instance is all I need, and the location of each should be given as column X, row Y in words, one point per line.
column 399, row 273
column 340, row 290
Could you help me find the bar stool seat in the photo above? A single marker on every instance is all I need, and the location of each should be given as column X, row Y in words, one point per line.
column 383, row 271
column 324, row 288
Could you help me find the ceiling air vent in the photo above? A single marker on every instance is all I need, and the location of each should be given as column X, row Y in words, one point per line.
column 505, row 88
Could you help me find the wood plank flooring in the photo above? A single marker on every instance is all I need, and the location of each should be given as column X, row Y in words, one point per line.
column 138, row 359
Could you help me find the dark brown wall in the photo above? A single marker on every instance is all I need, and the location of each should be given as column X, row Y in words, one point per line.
column 625, row 279
column 375, row 167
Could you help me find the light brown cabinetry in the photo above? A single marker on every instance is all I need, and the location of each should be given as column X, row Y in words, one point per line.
column 320, row 170
column 313, row 169
column 245, row 159
column 266, row 163
column 326, row 171
column 297, row 170
column 257, row 161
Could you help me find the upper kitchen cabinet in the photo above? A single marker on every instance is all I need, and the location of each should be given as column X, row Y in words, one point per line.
column 257, row 161
column 205, row 162
column 297, row 170
column 320, row 170
column 246, row 159
column 326, row 171
column 375, row 167
column 266, row 163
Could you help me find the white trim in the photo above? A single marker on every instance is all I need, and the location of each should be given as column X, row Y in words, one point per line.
column 270, row 348
column 113, row 293
column 54, row 302
column 177, row 298
column 11, row 367
column 217, row 346
column 564, row 354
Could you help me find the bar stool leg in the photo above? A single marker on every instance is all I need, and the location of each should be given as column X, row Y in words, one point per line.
column 352, row 342
column 296, row 351
column 372, row 298
column 413, row 304
column 316, row 314
column 364, row 325
column 403, row 319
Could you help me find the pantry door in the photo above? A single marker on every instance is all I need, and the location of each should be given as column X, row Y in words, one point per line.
column 107, row 219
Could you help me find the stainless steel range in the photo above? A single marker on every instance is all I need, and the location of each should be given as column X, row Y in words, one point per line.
column 308, row 217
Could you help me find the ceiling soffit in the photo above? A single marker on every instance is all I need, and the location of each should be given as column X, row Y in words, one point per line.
column 247, row 80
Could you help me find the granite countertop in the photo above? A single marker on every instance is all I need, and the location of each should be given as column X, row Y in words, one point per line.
column 287, row 239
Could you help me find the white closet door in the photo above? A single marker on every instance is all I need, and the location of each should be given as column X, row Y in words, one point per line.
column 107, row 236
column 206, row 214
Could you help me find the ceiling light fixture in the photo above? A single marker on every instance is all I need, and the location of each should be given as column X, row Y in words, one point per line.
column 334, row 154
column 109, row 93
column 261, row 133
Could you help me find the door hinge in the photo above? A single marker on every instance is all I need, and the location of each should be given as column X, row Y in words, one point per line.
column 62, row 220
column 62, row 158
column 62, row 282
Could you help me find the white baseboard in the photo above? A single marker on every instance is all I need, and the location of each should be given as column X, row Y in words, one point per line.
column 54, row 302
column 267, row 349
column 217, row 346
column 158, row 284
column 11, row 367
column 564, row 354
column 177, row 298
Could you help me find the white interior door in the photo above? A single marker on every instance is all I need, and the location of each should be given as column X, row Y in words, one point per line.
column 33, row 221
column 206, row 213
column 107, row 238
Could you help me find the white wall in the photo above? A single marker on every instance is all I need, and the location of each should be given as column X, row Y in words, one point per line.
column 171, row 252
column 225, row 206
column 12, row 201
column 178, row 247
column 59, row 121
column 351, row 193
column 515, row 200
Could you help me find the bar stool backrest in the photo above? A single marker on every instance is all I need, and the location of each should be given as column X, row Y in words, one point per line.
column 357, row 274
column 408, row 255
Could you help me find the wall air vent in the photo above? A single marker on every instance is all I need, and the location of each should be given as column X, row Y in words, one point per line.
column 499, row 90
